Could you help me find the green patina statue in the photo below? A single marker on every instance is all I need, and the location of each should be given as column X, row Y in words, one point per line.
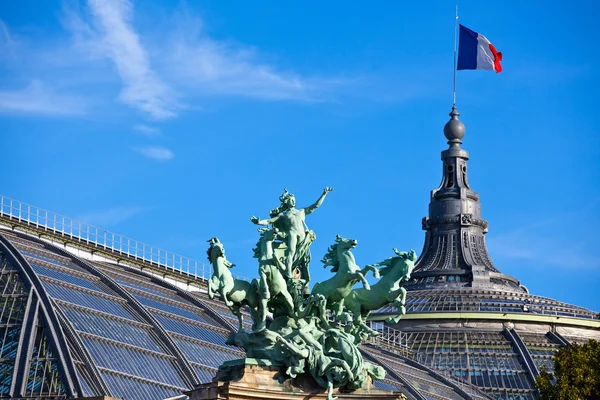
column 291, row 225
column 347, row 273
column 307, row 332
column 236, row 293
column 361, row 302
column 272, row 283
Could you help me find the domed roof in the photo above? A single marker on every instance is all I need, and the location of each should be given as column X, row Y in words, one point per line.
column 464, row 317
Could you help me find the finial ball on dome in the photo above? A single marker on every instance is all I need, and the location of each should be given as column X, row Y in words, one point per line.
column 454, row 129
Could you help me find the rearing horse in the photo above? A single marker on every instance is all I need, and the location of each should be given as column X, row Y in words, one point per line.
column 396, row 270
column 235, row 292
column 272, row 284
column 336, row 288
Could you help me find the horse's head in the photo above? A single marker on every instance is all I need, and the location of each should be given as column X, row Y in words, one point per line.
column 412, row 255
column 344, row 244
column 215, row 250
column 403, row 263
column 334, row 253
column 409, row 259
column 266, row 235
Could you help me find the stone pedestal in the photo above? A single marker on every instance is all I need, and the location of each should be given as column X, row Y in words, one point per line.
column 253, row 379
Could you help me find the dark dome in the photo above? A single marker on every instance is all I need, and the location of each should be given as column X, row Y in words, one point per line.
column 465, row 318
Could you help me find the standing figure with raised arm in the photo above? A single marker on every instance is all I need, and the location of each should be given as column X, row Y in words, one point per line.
column 290, row 224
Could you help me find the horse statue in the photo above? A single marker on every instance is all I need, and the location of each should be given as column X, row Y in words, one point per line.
column 272, row 284
column 387, row 290
column 236, row 293
column 336, row 288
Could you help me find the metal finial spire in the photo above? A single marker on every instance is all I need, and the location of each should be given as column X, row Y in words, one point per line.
column 454, row 130
column 455, row 51
column 455, row 228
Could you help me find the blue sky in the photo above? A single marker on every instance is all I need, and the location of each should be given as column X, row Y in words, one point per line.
column 172, row 122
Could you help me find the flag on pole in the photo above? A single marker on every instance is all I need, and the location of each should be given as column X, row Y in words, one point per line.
column 476, row 52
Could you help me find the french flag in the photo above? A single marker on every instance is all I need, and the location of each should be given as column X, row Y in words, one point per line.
column 476, row 52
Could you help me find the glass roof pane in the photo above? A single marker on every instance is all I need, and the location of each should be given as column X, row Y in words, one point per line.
column 133, row 362
column 204, row 374
column 192, row 330
column 110, row 328
column 166, row 307
column 132, row 389
column 205, row 355
column 86, row 300
column 64, row 276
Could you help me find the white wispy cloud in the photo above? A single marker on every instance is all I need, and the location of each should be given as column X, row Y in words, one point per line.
column 37, row 98
column 111, row 216
column 106, row 55
column 146, row 130
column 190, row 63
column 110, row 34
column 155, row 152
column 5, row 37
column 212, row 67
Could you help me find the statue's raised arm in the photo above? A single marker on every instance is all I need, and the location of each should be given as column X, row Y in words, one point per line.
column 264, row 222
column 291, row 227
column 319, row 201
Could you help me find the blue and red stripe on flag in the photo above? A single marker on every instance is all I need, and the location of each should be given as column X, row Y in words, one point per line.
column 476, row 52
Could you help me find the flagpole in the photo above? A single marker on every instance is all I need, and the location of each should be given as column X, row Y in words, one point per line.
column 455, row 51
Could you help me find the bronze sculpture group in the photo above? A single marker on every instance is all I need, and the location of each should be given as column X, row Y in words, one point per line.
column 316, row 331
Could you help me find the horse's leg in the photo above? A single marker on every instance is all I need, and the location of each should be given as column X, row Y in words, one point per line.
column 401, row 302
column 261, row 322
column 288, row 300
column 226, row 287
column 252, row 299
column 212, row 288
column 362, row 278
column 394, row 320
column 241, row 321
column 363, row 326
column 364, row 316
column 358, row 321
column 353, row 306
column 339, row 311
column 236, row 311
column 263, row 285
column 323, row 312
column 228, row 302
column 254, row 316
column 371, row 268
column 398, row 297
column 393, row 295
